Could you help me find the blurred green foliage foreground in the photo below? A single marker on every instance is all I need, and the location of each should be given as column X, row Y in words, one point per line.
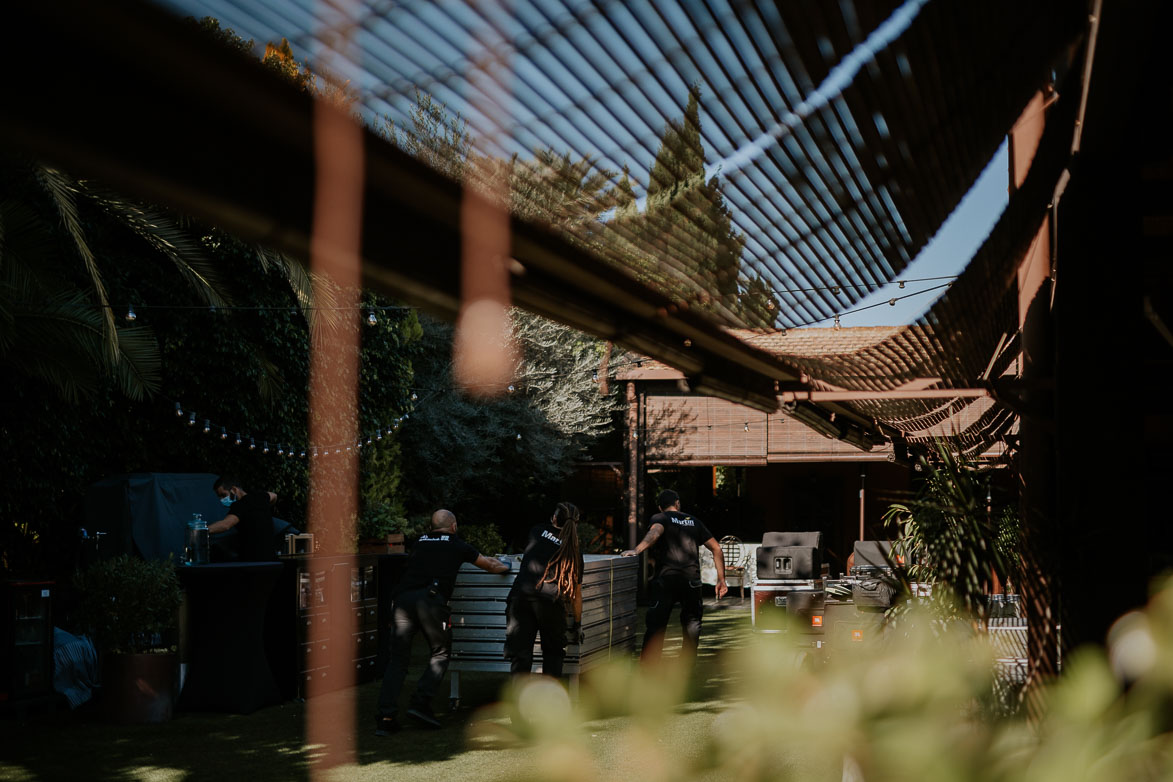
column 916, row 707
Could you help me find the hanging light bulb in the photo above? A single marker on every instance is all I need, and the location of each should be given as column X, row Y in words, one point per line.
column 371, row 319
column 595, row 376
column 901, row 284
column 747, row 426
column 836, row 326
column 301, row 455
column 687, row 342
column 238, row 440
column 337, row 450
column 379, row 436
column 512, row 388
column 280, row 449
column 835, row 290
column 252, row 444
column 265, row 446
column 191, row 419
column 891, row 302
column 519, row 435
column 223, row 433
column 178, row 410
column 131, row 314
column 368, row 440
column 414, row 396
column 405, row 416
column 315, row 452
column 207, row 426
column 782, row 331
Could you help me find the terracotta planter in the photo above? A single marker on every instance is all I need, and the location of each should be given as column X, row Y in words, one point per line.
column 138, row 688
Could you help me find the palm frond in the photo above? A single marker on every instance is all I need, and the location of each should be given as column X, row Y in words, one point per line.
column 62, row 190
column 316, row 295
column 60, row 340
column 165, row 235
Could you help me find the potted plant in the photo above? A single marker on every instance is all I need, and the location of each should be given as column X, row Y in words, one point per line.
column 130, row 606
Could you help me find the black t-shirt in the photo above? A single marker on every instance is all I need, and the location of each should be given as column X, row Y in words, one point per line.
column 676, row 550
column 254, row 532
column 541, row 546
column 436, row 556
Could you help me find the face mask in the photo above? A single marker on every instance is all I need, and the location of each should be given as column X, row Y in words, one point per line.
column 226, row 501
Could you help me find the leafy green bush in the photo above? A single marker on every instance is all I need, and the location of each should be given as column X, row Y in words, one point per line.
column 127, row 604
column 484, row 538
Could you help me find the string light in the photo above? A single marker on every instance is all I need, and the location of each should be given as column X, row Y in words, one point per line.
column 747, row 426
column 836, row 326
column 252, row 444
column 414, row 396
column 207, row 426
column 512, row 388
column 371, row 319
column 191, row 419
column 265, row 446
column 178, row 410
column 238, row 440
column 131, row 315
column 595, row 376
column 519, row 435
column 223, row 433
column 280, row 450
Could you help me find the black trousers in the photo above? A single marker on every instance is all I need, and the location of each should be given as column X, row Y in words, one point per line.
column 422, row 611
column 527, row 617
column 666, row 591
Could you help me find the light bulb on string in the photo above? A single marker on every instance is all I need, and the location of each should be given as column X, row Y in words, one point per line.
column 901, row 284
column 519, row 435
column 379, row 436
column 595, row 376
column 191, row 419
column 371, row 319
column 280, row 449
column 178, row 410
column 301, row 455
column 782, row 331
column 223, row 433
column 207, row 426
column 891, row 302
column 315, row 453
column 512, row 388
column 238, row 440
column 836, row 327
column 414, row 396
column 252, row 444
column 131, row 315
column 747, row 426
column 265, row 446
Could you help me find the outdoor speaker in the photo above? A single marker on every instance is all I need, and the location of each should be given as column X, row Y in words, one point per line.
column 877, row 554
column 789, row 562
column 873, row 593
column 792, row 539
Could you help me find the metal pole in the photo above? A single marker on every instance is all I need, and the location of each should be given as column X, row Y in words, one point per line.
column 863, row 474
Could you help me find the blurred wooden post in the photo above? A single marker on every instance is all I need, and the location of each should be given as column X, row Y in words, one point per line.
column 1040, row 588
column 335, row 248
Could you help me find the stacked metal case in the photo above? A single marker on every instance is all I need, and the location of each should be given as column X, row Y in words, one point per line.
column 608, row 617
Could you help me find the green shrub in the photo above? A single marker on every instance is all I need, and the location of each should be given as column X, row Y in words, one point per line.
column 127, row 604
column 484, row 538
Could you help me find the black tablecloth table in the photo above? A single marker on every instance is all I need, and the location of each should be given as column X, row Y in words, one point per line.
column 223, row 638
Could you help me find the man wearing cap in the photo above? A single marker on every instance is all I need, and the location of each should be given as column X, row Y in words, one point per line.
column 675, row 538
column 421, row 603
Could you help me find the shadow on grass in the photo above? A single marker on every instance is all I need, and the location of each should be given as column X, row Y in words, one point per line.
column 270, row 743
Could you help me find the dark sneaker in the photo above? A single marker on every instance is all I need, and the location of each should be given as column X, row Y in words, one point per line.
column 424, row 714
column 385, row 726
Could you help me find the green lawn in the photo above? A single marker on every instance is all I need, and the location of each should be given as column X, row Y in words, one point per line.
column 476, row 743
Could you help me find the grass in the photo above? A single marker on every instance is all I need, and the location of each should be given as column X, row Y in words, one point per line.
column 270, row 744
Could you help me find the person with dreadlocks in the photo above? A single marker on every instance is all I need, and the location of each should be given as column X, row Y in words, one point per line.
column 546, row 598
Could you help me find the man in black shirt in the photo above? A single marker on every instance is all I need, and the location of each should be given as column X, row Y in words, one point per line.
column 421, row 603
column 676, row 538
column 251, row 513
